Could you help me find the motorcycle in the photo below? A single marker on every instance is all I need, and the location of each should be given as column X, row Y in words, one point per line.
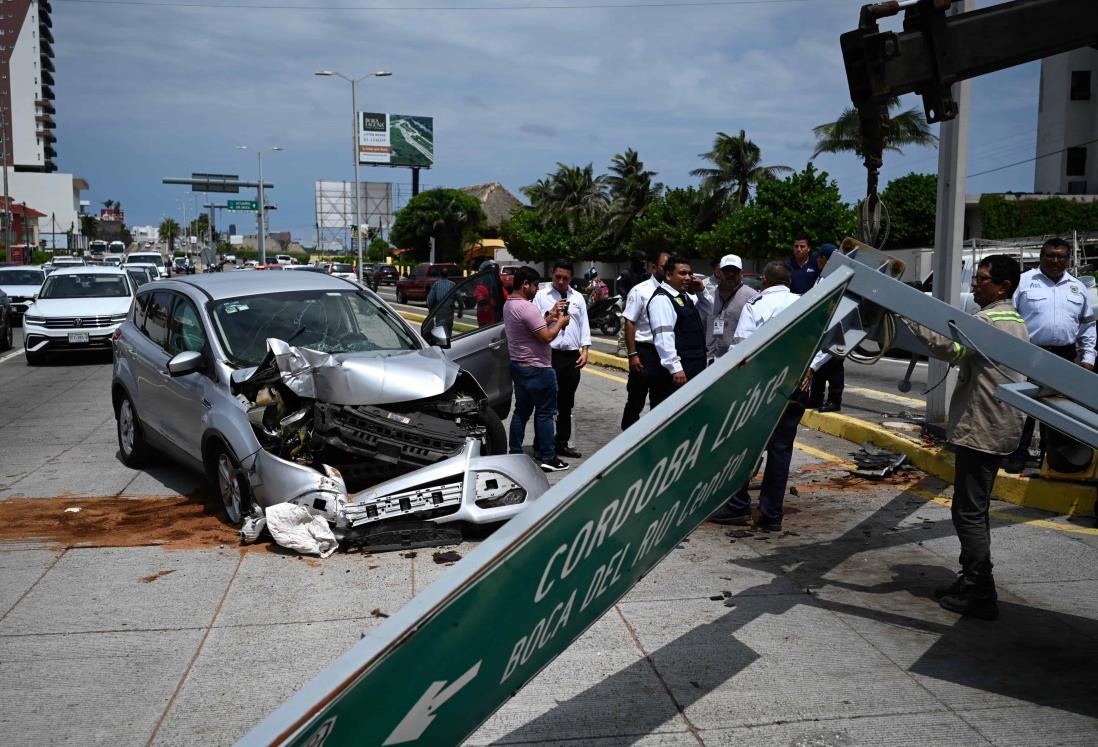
column 605, row 314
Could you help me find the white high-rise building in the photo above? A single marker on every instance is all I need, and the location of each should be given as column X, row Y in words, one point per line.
column 26, row 89
column 1067, row 124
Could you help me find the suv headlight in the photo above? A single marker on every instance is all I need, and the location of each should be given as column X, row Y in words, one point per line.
column 34, row 319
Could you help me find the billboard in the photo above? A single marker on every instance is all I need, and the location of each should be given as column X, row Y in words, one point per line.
column 396, row 140
column 335, row 204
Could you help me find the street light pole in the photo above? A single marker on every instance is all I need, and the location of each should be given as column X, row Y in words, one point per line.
column 261, row 238
column 354, row 150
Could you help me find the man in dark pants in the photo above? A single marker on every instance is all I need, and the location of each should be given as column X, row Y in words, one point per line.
column 774, row 298
column 832, row 375
column 643, row 360
column 981, row 429
column 678, row 332
column 1058, row 317
column 569, row 348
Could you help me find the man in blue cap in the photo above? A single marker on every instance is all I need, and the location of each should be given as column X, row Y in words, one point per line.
column 831, row 375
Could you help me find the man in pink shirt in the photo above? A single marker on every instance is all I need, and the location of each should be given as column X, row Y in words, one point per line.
column 529, row 333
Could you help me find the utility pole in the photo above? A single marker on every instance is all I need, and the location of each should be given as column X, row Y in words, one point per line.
column 949, row 227
column 7, row 196
column 261, row 237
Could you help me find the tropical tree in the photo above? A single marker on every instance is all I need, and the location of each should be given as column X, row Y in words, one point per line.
column 572, row 196
column 89, row 226
column 453, row 218
column 912, row 203
column 844, row 135
column 737, row 167
column 631, row 191
column 169, row 230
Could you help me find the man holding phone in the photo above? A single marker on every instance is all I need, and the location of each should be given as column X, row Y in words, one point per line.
column 569, row 348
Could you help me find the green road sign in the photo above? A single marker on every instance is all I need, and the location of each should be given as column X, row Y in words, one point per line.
column 250, row 206
column 432, row 673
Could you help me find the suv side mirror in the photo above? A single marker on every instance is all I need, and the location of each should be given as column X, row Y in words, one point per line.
column 185, row 363
column 439, row 337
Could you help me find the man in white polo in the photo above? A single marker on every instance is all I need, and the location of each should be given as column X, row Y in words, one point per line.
column 644, row 361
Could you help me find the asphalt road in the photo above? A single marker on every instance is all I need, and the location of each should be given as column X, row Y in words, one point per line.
column 137, row 619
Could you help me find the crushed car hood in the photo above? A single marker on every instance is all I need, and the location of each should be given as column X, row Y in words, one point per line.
column 351, row 378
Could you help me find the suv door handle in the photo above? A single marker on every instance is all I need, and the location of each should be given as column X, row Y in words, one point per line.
column 495, row 345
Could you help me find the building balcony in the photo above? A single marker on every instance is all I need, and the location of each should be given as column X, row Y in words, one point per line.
column 45, row 119
column 47, row 77
column 44, row 7
column 46, row 135
column 44, row 19
column 50, row 151
column 45, row 33
column 50, row 166
column 47, row 63
column 47, row 93
column 45, row 106
column 45, row 46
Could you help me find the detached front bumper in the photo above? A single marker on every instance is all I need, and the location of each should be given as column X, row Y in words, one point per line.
column 467, row 487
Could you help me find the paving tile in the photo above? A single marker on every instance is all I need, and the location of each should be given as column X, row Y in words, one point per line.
column 19, row 570
column 902, row 730
column 1075, row 724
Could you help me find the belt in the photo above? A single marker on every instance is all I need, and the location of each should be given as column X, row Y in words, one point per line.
column 558, row 351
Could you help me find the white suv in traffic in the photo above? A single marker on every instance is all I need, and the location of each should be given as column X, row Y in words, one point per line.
column 78, row 308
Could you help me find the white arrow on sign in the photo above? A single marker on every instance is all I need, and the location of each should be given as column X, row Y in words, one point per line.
column 416, row 721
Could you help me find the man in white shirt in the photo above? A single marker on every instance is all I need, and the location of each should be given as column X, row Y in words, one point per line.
column 643, row 359
column 775, row 297
column 569, row 348
column 1058, row 317
column 678, row 330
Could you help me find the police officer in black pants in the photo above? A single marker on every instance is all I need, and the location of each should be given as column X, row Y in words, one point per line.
column 678, row 332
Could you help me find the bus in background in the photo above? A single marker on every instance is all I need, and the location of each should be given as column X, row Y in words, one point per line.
column 116, row 249
column 96, row 250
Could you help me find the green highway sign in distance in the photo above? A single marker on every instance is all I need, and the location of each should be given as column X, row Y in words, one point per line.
column 433, row 672
column 247, row 205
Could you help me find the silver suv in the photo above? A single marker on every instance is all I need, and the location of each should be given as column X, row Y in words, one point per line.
column 301, row 387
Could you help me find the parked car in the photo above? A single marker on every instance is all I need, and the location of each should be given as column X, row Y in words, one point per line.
column 305, row 388
column 7, row 321
column 343, row 270
column 153, row 258
column 183, row 265
column 285, row 259
column 418, row 284
column 149, row 267
column 386, row 274
column 20, row 283
column 78, row 308
column 112, row 261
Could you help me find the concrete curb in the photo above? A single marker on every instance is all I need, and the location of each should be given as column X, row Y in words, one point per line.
column 1061, row 497
column 1056, row 496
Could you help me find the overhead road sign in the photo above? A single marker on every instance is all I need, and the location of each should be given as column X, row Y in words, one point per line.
column 202, row 185
column 433, row 672
column 215, row 183
column 243, row 205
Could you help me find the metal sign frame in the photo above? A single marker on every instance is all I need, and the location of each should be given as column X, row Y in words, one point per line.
column 412, row 681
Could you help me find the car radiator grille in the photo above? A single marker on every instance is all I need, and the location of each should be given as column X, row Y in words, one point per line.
column 411, row 439
column 76, row 322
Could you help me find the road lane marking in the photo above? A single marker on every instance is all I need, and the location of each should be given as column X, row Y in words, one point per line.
column 604, row 375
column 11, row 355
column 886, row 396
column 824, row 455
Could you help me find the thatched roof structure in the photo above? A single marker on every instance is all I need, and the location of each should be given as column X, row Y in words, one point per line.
column 497, row 202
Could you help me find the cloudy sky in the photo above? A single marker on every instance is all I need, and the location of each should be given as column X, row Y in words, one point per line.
column 159, row 88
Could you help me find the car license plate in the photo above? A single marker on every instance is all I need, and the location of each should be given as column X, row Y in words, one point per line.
column 78, row 337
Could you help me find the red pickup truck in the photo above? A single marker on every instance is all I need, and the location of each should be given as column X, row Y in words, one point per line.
column 418, row 284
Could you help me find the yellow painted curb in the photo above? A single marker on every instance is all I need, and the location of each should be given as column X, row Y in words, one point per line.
column 605, row 359
column 1061, row 497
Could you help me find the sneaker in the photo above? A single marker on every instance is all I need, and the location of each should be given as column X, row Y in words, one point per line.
column 768, row 525
column 728, row 515
column 969, row 605
column 554, row 466
column 569, row 452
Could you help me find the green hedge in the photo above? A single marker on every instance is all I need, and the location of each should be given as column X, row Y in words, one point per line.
column 1009, row 219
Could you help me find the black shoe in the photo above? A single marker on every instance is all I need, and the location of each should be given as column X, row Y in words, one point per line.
column 554, row 466
column 768, row 525
column 728, row 515
column 1014, row 465
column 948, row 590
column 830, row 407
column 569, row 452
column 971, row 605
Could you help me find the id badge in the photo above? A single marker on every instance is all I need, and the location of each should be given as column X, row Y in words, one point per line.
column 718, row 326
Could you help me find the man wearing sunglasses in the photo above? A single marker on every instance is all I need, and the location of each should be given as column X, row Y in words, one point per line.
column 1059, row 318
column 981, row 429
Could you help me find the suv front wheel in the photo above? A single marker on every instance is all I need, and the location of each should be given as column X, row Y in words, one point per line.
column 232, row 485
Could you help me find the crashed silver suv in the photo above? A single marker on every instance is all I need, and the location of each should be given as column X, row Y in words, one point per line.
column 306, row 388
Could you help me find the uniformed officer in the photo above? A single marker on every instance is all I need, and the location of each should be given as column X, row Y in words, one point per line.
column 1058, row 317
column 775, row 297
column 677, row 329
column 644, row 362
column 727, row 300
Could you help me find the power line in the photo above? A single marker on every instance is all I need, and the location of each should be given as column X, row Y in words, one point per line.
column 1030, row 160
column 437, row 8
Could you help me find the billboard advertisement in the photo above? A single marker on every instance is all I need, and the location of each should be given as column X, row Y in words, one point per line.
column 396, row 140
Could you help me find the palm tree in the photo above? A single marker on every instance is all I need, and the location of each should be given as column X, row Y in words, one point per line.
column 631, row 191
column 736, row 168
column 536, row 192
column 845, row 134
column 575, row 194
column 169, row 229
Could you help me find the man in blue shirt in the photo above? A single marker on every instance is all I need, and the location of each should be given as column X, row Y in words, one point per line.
column 803, row 272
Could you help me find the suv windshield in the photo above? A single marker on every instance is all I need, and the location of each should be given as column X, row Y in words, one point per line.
column 85, row 285
column 328, row 321
column 21, row 277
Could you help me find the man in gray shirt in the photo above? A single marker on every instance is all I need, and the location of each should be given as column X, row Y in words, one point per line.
column 728, row 299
